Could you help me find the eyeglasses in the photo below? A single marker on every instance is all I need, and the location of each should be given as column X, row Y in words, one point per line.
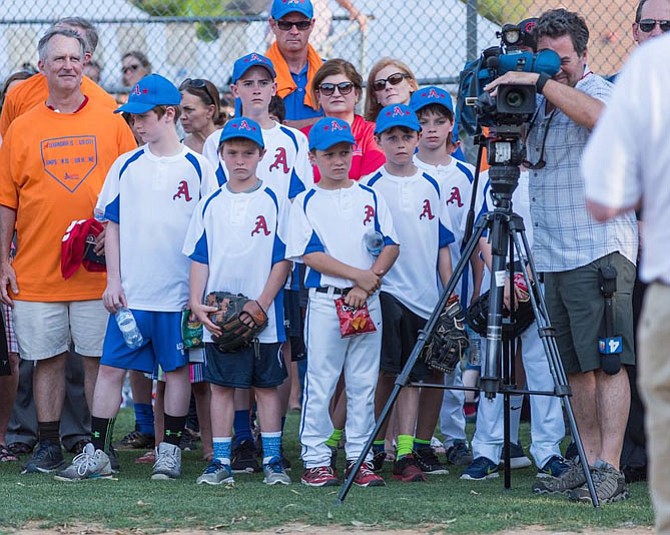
column 648, row 25
column 301, row 25
column 132, row 68
column 198, row 83
column 394, row 79
column 327, row 89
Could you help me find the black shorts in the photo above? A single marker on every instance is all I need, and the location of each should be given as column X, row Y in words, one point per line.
column 243, row 369
column 294, row 321
column 400, row 330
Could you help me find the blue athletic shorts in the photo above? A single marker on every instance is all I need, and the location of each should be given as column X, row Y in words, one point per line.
column 244, row 369
column 162, row 344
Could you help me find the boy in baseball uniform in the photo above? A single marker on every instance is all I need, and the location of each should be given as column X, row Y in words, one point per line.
column 327, row 232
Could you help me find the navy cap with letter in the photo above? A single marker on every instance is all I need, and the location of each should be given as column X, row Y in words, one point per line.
column 242, row 127
column 151, row 91
column 280, row 8
column 330, row 131
column 396, row 115
column 245, row 63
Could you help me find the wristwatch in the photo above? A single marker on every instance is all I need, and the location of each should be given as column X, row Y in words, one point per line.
column 542, row 80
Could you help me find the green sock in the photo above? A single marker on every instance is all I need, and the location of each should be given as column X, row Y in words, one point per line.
column 405, row 445
column 335, row 438
column 420, row 443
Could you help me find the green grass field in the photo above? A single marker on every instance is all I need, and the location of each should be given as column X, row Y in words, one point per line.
column 445, row 503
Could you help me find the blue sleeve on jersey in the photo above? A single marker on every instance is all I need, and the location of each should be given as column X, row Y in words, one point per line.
column 446, row 236
column 200, row 252
column 389, row 241
column 466, row 172
column 112, row 211
column 374, row 179
column 129, row 161
column 195, row 163
column 432, row 182
column 278, row 250
column 295, row 186
column 312, row 279
column 291, row 135
column 221, row 175
column 314, row 245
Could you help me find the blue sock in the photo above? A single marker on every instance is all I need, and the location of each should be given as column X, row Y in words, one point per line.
column 144, row 418
column 222, row 447
column 242, row 427
column 271, row 446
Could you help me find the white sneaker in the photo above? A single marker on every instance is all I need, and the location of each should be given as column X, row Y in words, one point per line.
column 89, row 464
column 168, row 462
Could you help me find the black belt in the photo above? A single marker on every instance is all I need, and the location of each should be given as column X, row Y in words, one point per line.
column 336, row 291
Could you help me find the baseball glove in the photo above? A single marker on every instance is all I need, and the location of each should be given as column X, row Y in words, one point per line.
column 444, row 348
column 239, row 328
column 478, row 314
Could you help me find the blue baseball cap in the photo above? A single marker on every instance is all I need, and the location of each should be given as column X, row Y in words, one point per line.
column 396, row 115
column 431, row 95
column 330, row 131
column 242, row 127
column 151, row 91
column 281, row 8
column 245, row 63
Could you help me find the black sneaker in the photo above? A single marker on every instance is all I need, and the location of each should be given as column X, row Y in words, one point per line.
column 244, row 458
column 459, row 454
column 47, row 457
column 427, row 460
column 136, row 440
column 378, row 460
column 113, row 459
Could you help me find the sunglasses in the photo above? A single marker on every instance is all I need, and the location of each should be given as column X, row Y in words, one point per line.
column 394, row 79
column 327, row 89
column 286, row 25
column 132, row 68
column 648, row 25
column 198, row 83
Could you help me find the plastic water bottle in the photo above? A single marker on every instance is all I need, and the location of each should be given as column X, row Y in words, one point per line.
column 374, row 242
column 99, row 215
column 128, row 327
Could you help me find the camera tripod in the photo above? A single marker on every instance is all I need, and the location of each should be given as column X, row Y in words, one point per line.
column 507, row 233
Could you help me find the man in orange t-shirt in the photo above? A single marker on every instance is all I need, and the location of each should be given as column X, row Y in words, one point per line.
column 49, row 177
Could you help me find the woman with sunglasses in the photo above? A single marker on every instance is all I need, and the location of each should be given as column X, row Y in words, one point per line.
column 337, row 87
column 390, row 82
column 134, row 66
column 201, row 113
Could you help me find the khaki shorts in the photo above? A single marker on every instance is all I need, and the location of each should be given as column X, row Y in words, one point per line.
column 577, row 311
column 44, row 330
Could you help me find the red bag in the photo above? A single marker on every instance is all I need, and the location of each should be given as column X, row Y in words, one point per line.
column 353, row 321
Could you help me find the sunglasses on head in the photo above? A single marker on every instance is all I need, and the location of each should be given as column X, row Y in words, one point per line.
column 197, row 83
column 648, row 25
column 286, row 25
column 394, row 79
column 132, row 68
column 327, row 89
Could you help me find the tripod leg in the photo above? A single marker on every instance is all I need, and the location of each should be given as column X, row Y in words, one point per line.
column 403, row 378
column 548, row 337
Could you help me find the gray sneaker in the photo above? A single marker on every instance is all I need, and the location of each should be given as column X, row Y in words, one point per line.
column 274, row 473
column 89, row 464
column 216, row 474
column 610, row 486
column 168, row 462
column 571, row 479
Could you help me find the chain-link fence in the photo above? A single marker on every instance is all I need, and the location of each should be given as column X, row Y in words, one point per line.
column 202, row 38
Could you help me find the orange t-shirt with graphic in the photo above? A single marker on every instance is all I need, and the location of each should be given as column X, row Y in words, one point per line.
column 52, row 168
column 34, row 91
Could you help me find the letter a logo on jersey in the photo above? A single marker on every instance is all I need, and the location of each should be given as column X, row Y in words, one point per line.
column 280, row 159
column 261, row 226
column 182, row 190
column 455, row 197
column 369, row 214
column 427, row 212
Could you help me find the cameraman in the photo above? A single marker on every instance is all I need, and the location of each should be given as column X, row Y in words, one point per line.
column 571, row 248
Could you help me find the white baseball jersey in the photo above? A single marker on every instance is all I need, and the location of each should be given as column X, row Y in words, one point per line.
column 152, row 199
column 422, row 222
column 456, row 181
column 335, row 222
column 285, row 168
column 240, row 236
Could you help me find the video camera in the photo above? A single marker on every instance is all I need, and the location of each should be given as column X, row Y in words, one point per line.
column 514, row 103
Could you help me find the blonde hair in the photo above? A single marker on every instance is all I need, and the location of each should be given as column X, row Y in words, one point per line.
column 372, row 106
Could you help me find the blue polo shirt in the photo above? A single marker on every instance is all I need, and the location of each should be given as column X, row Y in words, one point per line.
column 295, row 102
